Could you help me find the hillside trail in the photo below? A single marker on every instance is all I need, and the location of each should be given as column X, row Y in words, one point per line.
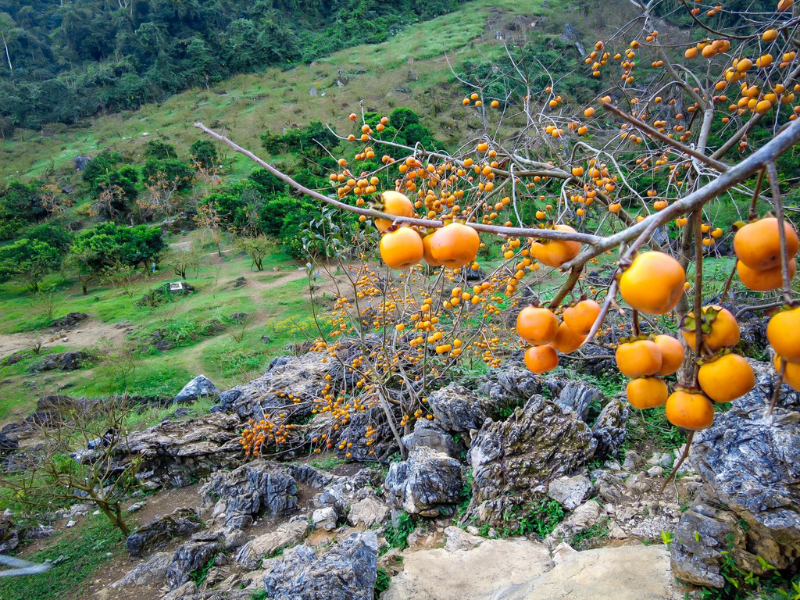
column 86, row 335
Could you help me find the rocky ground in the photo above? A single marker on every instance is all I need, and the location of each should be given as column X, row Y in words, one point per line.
column 516, row 490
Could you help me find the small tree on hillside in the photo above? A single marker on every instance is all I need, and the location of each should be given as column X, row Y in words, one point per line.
column 257, row 248
column 84, row 455
column 29, row 260
column 182, row 258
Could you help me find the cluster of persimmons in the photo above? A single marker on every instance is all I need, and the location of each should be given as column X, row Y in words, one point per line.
column 440, row 308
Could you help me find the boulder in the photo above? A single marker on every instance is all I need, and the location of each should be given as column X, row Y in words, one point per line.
column 7, row 444
column 382, row 443
column 456, row 408
column 509, row 386
column 181, row 522
column 579, row 397
column 750, row 503
column 368, row 512
column 151, row 572
column 69, row 320
column 427, row 481
column 346, row 571
column 512, row 461
column 188, row 558
column 199, row 387
column 9, row 535
column 610, row 427
column 570, row 492
column 256, row 488
column 265, row 546
column 324, row 518
column 179, row 452
column 430, row 434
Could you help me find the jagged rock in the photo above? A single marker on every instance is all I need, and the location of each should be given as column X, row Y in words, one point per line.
column 187, row 559
column 69, row 320
column 9, row 535
column 509, row 386
column 341, row 492
column 512, row 461
column 182, row 521
column 346, row 571
column 583, row 517
column 749, row 466
column 430, row 434
column 65, row 361
column 81, row 162
column 151, row 572
column 252, row 489
column 382, row 442
column 7, row 444
column 456, row 408
column 199, row 387
column 610, row 428
column 570, row 492
column 179, row 452
column 288, row 534
column 230, row 538
column 324, row 518
column 368, row 512
column 578, row 397
column 563, row 552
column 424, row 482
column 458, row 539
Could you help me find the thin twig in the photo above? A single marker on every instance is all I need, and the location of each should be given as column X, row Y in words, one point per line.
column 776, row 393
column 674, row 472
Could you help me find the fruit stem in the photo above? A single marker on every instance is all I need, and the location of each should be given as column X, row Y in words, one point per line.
column 698, row 286
column 689, row 439
column 636, row 330
column 569, row 285
column 728, row 284
column 752, row 214
column 777, row 391
column 776, row 200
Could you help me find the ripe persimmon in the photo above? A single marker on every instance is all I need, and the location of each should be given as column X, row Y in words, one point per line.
column 541, row 359
column 582, row 316
column 455, row 245
column 791, row 374
column 537, row 325
column 566, row 340
column 555, row 253
column 690, row 410
column 638, row 359
column 783, row 333
column 720, row 329
column 394, row 203
column 671, row 354
column 647, row 392
column 402, row 248
column 426, row 246
column 764, row 280
column 726, row 378
column 653, row 283
column 758, row 245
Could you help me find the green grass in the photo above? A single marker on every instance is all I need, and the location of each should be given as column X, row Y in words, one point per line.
column 77, row 554
column 246, row 105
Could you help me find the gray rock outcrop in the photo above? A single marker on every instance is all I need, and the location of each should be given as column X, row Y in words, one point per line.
column 512, row 461
column 188, row 558
column 424, row 483
column 199, row 387
column 181, row 522
column 264, row 546
column 456, row 408
column 346, row 571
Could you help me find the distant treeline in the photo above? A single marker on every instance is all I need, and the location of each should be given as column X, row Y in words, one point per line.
column 69, row 59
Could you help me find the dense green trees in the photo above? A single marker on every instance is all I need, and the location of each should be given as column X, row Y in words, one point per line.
column 68, row 60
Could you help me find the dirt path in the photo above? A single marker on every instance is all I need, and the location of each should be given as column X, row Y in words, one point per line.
column 85, row 335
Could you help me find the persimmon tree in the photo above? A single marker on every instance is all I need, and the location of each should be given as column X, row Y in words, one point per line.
column 640, row 173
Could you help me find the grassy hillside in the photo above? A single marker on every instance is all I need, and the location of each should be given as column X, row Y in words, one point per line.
column 417, row 60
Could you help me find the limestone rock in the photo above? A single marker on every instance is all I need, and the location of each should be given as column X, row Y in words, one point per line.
column 458, row 539
column 199, row 387
column 368, row 512
column 178, row 452
column 583, row 517
column 324, row 518
column 424, row 482
column 512, row 461
column 187, row 559
column 181, row 522
column 570, row 492
column 477, row 574
column 456, row 408
column 346, row 571
column 578, row 397
column 288, row 534
column 430, row 434
column 151, row 572
column 255, row 488
column 749, row 465
column 610, row 428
